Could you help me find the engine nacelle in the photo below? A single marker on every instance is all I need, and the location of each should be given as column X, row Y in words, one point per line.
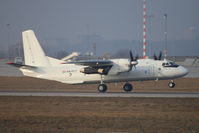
column 96, row 70
column 119, row 66
column 89, row 70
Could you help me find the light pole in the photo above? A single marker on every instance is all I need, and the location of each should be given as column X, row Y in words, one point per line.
column 165, row 35
column 94, row 49
column 8, row 47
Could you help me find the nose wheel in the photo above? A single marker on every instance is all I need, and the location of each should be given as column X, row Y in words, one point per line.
column 171, row 84
column 127, row 87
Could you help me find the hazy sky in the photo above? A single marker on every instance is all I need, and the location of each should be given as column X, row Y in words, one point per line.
column 111, row 19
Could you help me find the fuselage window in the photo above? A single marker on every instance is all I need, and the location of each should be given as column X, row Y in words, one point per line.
column 170, row 64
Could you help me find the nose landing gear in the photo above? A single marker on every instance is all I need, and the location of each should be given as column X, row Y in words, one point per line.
column 171, row 84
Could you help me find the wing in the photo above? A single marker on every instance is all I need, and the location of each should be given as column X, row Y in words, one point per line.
column 91, row 62
column 93, row 66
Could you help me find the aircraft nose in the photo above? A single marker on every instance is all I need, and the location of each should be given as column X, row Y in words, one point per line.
column 183, row 71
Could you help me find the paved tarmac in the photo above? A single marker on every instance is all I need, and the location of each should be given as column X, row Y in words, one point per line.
column 107, row 94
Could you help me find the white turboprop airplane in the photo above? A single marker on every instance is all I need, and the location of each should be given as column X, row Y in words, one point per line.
column 38, row 65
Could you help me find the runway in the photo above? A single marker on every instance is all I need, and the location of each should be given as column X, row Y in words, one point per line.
column 107, row 94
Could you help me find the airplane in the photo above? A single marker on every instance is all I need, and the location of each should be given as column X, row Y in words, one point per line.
column 38, row 65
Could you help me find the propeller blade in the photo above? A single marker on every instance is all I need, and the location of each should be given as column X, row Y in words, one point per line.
column 160, row 56
column 133, row 61
column 137, row 57
column 155, row 57
column 131, row 56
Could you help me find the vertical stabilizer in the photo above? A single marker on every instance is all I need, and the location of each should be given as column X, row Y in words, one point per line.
column 33, row 52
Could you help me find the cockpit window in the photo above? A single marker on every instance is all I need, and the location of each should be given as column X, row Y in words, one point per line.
column 169, row 64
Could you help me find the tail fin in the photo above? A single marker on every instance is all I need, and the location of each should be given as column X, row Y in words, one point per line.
column 33, row 52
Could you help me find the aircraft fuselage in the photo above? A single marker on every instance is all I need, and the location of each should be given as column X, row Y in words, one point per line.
column 147, row 69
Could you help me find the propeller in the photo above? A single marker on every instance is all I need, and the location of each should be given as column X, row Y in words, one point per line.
column 137, row 57
column 133, row 61
column 160, row 56
column 131, row 56
column 155, row 57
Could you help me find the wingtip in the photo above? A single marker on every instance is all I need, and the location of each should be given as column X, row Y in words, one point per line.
column 9, row 63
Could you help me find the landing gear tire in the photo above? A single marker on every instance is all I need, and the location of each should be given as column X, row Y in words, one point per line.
column 171, row 84
column 102, row 88
column 128, row 87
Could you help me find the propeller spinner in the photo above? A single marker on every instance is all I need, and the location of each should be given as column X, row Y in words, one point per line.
column 133, row 61
column 159, row 57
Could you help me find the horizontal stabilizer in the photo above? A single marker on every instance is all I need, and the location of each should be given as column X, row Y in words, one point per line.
column 21, row 65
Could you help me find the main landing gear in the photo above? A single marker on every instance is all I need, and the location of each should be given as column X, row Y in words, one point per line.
column 103, row 87
column 127, row 87
column 171, row 84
